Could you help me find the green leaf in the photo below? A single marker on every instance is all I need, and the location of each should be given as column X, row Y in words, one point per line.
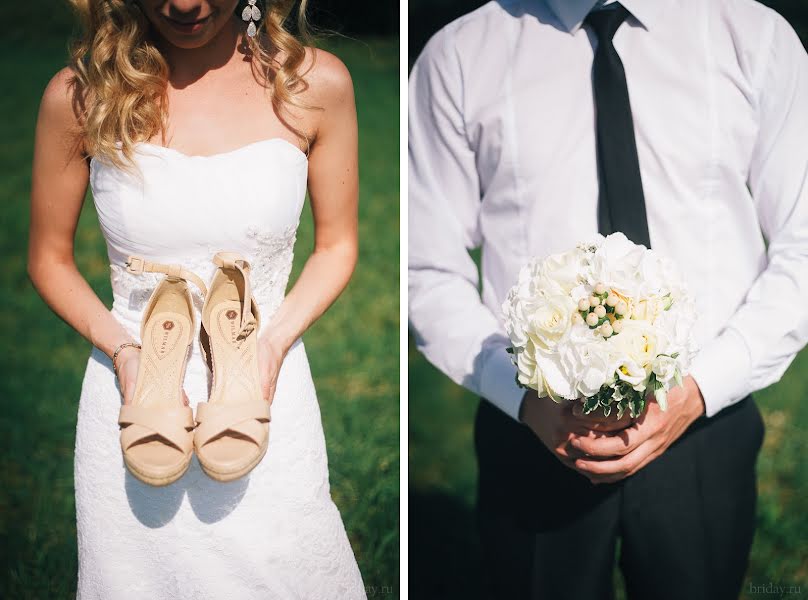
column 591, row 404
column 637, row 406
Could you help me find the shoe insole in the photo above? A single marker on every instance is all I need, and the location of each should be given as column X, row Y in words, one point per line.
column 166, row 337
column 235, row 375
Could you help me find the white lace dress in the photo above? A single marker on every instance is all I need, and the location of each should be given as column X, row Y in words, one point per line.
column 273, row 534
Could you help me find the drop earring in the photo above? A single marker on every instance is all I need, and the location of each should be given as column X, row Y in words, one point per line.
column 252, row 14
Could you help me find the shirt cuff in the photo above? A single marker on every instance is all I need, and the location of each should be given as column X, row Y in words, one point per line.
column 498, row 382
column 722, row 371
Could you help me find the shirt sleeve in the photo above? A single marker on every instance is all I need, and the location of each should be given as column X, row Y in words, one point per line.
column 452, row 327
column 771, row 326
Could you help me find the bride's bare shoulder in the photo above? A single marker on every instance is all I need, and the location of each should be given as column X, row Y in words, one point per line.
column 329, row 81
column 62, row 103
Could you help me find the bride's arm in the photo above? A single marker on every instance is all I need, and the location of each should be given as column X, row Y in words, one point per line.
column 58, row 186
column 333, row 190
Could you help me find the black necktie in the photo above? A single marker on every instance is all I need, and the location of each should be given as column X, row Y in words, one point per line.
column 621, row 206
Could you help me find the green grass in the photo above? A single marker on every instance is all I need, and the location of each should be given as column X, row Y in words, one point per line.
column 443, row 479
column 353, row 349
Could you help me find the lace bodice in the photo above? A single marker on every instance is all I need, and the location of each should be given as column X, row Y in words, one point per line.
column 183, row 209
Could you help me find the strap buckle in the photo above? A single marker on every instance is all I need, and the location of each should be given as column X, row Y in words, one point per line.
column 247, row 328
column 135, row 265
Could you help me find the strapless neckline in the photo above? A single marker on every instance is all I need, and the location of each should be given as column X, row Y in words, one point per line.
column 266, row 141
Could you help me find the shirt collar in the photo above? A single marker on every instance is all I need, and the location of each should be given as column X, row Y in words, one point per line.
column 572, row 13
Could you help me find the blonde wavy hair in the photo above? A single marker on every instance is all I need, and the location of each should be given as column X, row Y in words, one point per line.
column 121, row 78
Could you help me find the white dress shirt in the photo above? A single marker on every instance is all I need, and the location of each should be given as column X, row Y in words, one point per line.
column 502, row 157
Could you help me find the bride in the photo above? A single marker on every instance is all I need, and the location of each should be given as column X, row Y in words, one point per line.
column 199, row 125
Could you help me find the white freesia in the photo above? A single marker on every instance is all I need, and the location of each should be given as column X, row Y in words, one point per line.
column 632, row 373
column 664, row 368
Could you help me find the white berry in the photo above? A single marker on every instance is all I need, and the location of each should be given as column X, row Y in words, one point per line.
column 612, row 300
column 600, row 311
column 583, row 304
column 577, row 319
column 621, row 308
column 606, row 330
column 594, row 301
column 600, row 289
column 592, row 319
column 617, row 326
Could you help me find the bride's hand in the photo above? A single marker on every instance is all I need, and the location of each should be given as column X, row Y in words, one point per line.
column 128, row 363
column 270, row 359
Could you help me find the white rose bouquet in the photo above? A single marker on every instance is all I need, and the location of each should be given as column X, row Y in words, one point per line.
column 607, row 322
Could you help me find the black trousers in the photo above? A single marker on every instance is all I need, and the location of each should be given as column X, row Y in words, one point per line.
column 685, row 521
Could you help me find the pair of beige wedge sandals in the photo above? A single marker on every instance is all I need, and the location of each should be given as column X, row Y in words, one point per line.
column 230, row 432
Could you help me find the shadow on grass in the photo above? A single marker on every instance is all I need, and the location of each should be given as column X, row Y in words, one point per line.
column 445, row 557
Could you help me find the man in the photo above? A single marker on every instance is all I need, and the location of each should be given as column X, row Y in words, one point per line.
column 535, row 124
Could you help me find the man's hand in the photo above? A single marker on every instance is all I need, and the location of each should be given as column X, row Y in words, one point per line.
column 612, row 456
column 556, row 424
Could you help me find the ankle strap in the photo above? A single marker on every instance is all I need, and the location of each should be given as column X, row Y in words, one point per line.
column 232, row 260
column 137, row 265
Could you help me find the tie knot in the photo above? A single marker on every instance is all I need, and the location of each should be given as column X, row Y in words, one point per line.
column 605, row 21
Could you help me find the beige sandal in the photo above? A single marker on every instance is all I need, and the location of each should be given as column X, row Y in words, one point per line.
column 233, row 427
column 157, row 427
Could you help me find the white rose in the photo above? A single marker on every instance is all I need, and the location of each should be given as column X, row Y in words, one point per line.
column 639, row 342
column 648, row 309
column 549, row 321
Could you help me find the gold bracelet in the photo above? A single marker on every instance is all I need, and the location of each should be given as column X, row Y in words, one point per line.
column 118, row 351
